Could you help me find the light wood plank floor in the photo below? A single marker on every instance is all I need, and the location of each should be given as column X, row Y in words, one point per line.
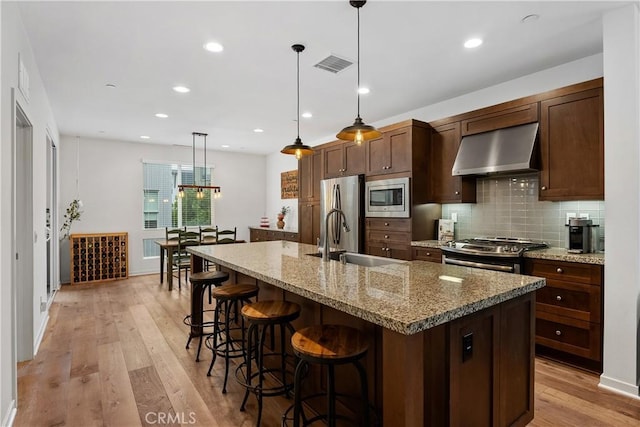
column 114, row 355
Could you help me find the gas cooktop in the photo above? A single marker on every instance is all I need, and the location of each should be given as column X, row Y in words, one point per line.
column 494, row 246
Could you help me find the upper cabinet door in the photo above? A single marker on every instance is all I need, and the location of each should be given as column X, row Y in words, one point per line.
column 445, row 188
column 344, row 160
column 572, row 147
column 309, row 176
column 391, row 153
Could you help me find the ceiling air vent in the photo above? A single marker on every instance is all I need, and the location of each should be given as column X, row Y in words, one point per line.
column 333, row 64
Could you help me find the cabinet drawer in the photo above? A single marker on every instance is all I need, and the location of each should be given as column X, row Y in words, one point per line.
column 389, row 236
column 501, row 119
column 574, row 300
column 567, row 271
column 258, row 235
column 427, row 254
column 389, row 224
column 569, row 335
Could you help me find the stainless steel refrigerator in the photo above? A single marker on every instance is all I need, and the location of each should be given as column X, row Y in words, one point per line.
column 345, row 194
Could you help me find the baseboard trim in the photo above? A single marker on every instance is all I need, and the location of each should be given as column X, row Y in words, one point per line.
column 10, row 416
column 619, row 387
column 43, row 328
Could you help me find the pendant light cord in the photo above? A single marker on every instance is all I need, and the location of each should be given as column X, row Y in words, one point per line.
column 298, row 89
column 193, row 145
column 358, row 88
column 77, row 168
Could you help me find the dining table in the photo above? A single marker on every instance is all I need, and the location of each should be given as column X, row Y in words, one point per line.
column 168, row 247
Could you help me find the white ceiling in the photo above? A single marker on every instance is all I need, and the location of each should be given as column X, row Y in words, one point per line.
column 411, row 56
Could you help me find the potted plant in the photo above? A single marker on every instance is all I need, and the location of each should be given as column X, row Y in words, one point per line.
column 73, row 214
column 285, row 210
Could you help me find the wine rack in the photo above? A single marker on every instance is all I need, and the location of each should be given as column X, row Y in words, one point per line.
column 99, row 257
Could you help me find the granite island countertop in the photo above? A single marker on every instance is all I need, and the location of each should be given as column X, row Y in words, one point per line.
column 406, row 297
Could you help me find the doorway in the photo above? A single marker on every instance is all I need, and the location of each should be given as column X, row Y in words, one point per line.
column 53, row 281
column 23, row 233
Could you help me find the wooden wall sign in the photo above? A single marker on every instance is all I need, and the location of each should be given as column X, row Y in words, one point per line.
column 289, row 185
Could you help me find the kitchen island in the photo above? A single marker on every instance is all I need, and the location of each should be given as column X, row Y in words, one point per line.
column 448, row 345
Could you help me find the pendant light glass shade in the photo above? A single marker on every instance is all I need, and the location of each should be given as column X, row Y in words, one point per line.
column 358, row 132
column 298, row 149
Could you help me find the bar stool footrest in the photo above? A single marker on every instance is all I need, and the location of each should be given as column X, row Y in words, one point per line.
column 287, row 416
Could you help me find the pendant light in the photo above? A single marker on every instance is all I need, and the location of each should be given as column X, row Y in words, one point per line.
column 358, row 131
column 216, row 192
column 298, row 149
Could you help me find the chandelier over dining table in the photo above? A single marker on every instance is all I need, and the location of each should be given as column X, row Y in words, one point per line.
column 204, row 184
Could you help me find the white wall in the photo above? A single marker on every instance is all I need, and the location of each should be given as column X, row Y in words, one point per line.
column 276, row 164
column 14, row 42
column 621, row 48
column 110, row 178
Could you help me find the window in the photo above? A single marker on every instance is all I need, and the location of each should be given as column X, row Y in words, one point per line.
column 162, row 206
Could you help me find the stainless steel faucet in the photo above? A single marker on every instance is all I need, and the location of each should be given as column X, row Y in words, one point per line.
column 325, row 252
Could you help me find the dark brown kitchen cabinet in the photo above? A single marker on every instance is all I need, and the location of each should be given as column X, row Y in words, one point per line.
column 500, row 119
column 443, row 148
column 390, row 153
column 309, row 222
column 309, row 176
column 572, row 146
column 388, row 237
column 344, row 159
column 265, row 235
column 569, row 312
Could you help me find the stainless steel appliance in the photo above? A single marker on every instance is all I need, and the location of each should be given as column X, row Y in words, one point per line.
column 388, row 198
column 346, row 195
column 582, row 236
column 495, row 253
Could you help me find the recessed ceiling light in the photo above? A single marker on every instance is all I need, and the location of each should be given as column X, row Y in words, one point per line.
column 214, row 47
column 100, row 131
column 110, row 85
column 258, row 130
column 530, row 18
column 471, row 43
column 225, row 146
column 363, row 90
column 181, row 89
column 161, row 115
column 307, row 115
column 144, row 137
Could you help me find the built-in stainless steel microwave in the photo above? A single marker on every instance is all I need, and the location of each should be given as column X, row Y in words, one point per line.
column 387, row 198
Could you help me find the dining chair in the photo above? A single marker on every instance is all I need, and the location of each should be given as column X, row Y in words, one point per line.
column 225, row 236
column 208, row 236
column 172, row 235
column 182, row 258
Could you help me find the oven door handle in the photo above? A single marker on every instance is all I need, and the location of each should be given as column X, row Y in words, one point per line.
column 508, row 269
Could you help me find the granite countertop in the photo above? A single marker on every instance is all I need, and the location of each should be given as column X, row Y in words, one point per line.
column 554, row 254
column 406, row 297
column 285, row 229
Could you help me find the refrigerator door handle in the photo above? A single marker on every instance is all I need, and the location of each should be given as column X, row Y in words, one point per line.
column 337, row 202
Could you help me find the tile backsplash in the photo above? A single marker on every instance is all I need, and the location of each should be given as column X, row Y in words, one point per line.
column 509, row 207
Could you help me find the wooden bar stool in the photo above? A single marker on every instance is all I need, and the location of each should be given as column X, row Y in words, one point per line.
column 328, row 345
column 229, row 347
column 263, row 315
column 200, row 283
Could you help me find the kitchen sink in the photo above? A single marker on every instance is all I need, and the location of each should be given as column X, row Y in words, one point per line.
column 360, row 259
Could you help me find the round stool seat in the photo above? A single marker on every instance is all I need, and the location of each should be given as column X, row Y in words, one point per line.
column 329, row 343
column 209, row 276
column 234, row 291
column 271, row 311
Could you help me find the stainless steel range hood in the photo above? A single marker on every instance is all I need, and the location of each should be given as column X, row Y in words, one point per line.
column 503, row 150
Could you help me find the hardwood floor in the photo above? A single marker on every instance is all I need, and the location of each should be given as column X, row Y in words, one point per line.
column 114, row 355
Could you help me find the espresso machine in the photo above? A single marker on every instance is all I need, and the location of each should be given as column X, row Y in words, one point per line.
column 582, row 236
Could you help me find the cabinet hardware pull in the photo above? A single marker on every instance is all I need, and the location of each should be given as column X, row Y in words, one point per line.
column 558, row 332
column 386, row 236
column 559, row 270
column 559, row 298
column 386, row 223
column 428, row 253
column 457, row 193
column 543, row 187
